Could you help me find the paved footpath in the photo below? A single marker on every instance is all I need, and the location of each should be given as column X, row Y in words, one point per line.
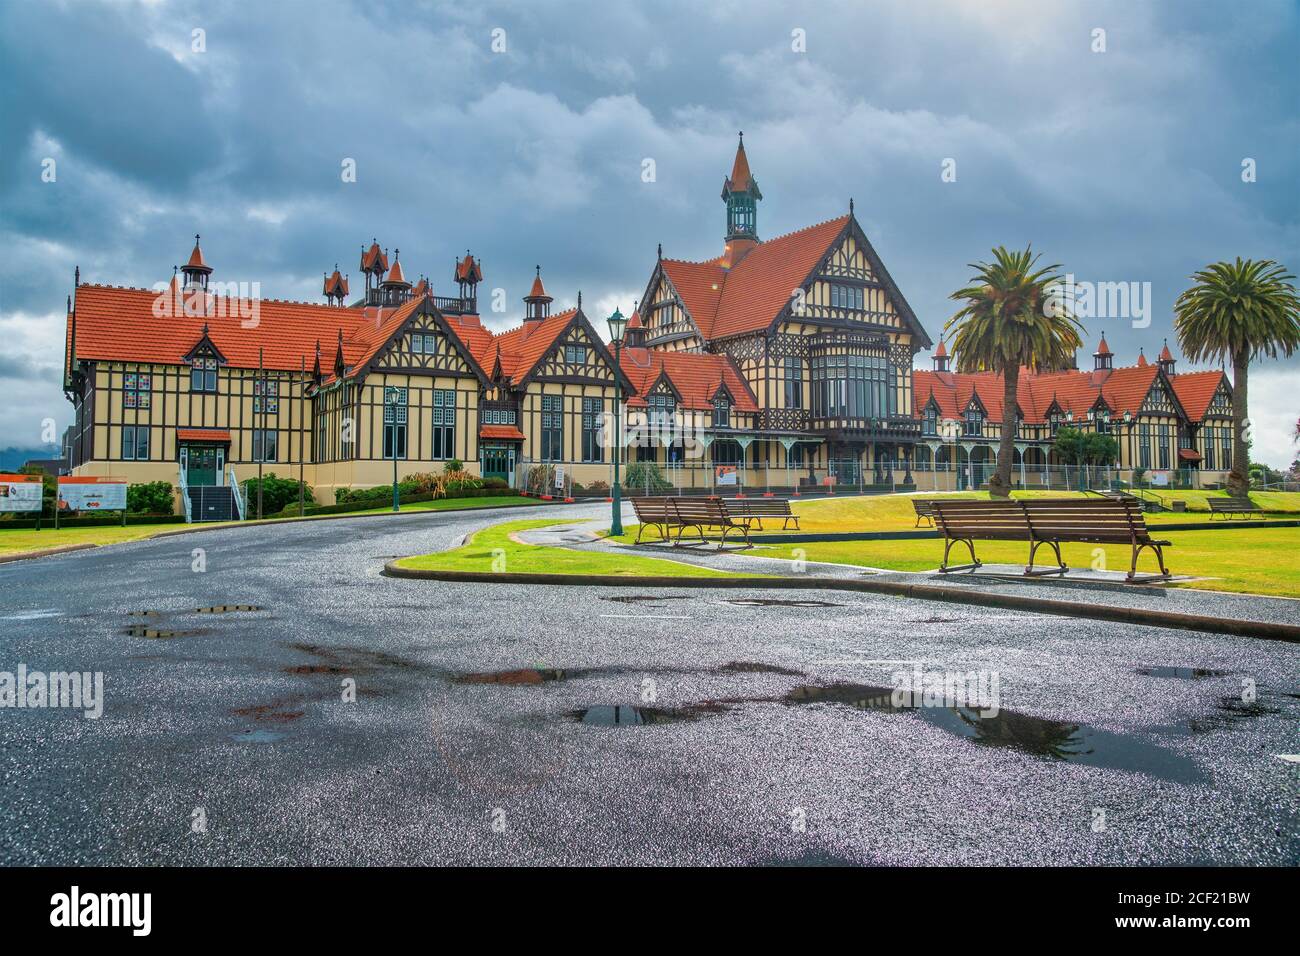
column 1003, row 579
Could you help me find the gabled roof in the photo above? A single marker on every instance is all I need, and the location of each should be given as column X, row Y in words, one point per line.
column 695, row 377
column 374, row 259
column 522, row 348
column 1195, row 391
column 468, row 270
column 749, row 296
column 336, row 284
column 1120, row 390
column 121, row 324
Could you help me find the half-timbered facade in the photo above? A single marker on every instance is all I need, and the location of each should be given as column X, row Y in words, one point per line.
column 815, row 326
column 187, row 385
column 1162, row 420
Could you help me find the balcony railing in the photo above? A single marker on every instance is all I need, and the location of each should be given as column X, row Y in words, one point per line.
column 896, row 427
column 455, row 305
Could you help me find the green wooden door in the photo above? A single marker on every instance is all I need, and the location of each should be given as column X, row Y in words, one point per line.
column 201, row 468
column 497, row 461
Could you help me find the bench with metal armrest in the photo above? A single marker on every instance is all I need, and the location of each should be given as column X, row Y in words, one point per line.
column 753, row 510
column 1050, row 522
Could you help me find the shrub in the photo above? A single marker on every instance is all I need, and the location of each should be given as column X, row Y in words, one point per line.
column 277, row 494
column 495, row 483
column 150, row 497
column 644, row 477
column 598, row 487
column 453, row 465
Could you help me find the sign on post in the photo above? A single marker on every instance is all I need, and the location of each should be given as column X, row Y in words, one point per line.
column 20, row 493
column 559, row 476
column 725, row 474
column 92, row 494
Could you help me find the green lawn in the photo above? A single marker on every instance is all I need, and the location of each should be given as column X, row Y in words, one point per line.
column 1247, row 560
column 26, row 541
column 895, row 512
column 495, row 550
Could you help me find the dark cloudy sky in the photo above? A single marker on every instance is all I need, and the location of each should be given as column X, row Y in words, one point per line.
column 1123, row 165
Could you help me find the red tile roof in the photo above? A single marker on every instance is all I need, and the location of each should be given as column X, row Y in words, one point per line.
column 695, row 375
column 635, row 321
column 1195, row 391
column 467, row 270
column 336, row 284
column 506, row 432
column 740, row 178
column 202, row 434
column 373, row 259
column 395, row 273
column 522, row 348
column 196, row 258
column 1123, row 389
column 748, row 296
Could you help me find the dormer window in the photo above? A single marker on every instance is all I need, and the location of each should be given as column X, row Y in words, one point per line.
column 974, row 422
column 203, row 374
column 721, row 411
column 662, row 408
column 930, row 422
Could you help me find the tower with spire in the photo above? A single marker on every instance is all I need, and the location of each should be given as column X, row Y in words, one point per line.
column 537, row 302
column 196, row 271
column 1166, row 360
column 741, row 194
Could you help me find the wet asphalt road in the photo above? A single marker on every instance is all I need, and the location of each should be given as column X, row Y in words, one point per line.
column 1091, row 760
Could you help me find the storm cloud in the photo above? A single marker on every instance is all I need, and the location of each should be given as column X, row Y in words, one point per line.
column 521, row 131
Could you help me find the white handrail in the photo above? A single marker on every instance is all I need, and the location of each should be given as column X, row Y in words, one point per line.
column 236, row 492
column 185, row 493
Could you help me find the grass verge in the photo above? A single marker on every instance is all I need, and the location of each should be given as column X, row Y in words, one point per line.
column 494, row 550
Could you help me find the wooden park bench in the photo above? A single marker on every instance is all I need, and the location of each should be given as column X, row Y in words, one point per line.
column 752, row 511
column 1241, row 507
column 1047, row 521
column 682, row 513
column 924, row 511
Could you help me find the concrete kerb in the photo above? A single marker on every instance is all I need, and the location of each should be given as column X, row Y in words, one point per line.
column 928, row 592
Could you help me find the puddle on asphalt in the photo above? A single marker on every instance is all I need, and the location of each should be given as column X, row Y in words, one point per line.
column 1037, row 736
column 617, row 715
column 527, row 675
column 1228, row 712
column 779, row 602
column 640, row 598
column 227, row 608
column 1185, row 673
column 142, row 630
column 276, row 712
column 750, row 667
column 37, row 615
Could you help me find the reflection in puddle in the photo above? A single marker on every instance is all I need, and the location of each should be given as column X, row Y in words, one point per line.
column 527, row 676
column 616, row 715
column 227, row 608
column 779, row 602
column 1050, row 739
column 1228, row 712
column 642, row 598
column 523, row 676
column 277, row 712
column 140, row 630
column 1185, row 673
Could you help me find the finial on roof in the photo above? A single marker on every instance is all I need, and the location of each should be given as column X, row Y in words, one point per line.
column 850, row 205
column 69, row 303
column 205, row 328
column 742, row 137
column 76, row 276
column 580, row 298
column 661, row 250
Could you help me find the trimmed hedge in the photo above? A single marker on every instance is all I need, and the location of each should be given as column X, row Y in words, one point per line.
column 95, row 521
column 344, row 507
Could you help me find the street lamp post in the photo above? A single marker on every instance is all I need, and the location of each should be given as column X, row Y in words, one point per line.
column 617, row 324
column 390, row 400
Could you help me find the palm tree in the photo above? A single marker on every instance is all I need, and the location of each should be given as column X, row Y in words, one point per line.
column 1012, row 318
column 1235, row 312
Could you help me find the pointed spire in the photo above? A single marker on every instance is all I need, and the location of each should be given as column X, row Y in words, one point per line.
column 850, row 205
column 740, row 179
column 1142, row 359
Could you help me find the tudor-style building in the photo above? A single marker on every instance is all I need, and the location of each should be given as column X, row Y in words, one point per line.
column 817, row 329
column 193, row 387
column 790, row 359
column 1162, row 420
